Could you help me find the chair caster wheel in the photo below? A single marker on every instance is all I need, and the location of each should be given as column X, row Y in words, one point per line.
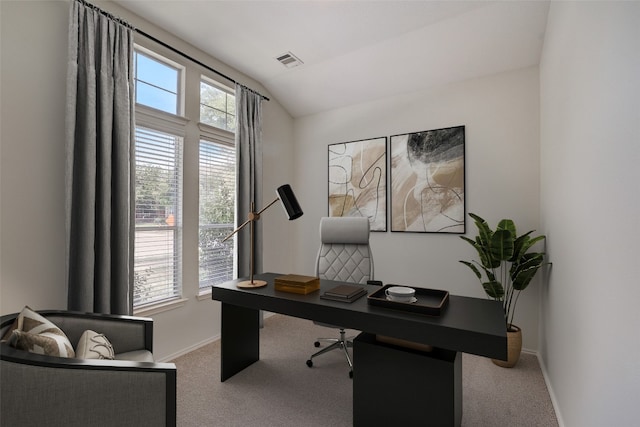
column 351, row 374
column 309, row 363
column 316, row 344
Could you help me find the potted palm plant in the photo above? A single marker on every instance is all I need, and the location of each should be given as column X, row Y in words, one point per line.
column 505, row 269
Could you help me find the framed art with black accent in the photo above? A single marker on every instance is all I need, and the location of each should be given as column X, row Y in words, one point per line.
column 427, row 180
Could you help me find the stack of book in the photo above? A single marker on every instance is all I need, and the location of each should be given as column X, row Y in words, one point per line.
column 344, row 293
column 297, row 284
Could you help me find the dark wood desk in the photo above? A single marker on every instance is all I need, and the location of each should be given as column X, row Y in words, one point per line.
column 468, row 325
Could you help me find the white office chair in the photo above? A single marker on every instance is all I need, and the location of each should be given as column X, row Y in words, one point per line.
column 345, row 256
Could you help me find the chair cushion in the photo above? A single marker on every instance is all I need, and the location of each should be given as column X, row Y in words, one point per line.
column 352, row 230
column 344, row 262
column 93, row 345
column 36, row 334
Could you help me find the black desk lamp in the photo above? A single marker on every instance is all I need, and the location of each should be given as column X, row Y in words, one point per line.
column 293, row 210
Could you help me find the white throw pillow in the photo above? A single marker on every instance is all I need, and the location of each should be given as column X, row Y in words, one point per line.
column 36, row 334
column 93, row 345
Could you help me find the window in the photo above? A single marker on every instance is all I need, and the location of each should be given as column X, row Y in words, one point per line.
column 217, row 178
column 176, row 162
column 217, row 106
column 157, row 83
column 216, row 219
column 158, row 180
column 158, row 214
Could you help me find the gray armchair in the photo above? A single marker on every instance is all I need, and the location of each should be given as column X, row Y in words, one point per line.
column 38, row 390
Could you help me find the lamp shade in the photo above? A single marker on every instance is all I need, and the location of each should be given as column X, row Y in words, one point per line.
column 289, row 201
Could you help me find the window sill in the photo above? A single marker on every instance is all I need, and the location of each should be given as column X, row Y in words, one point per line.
column 152, row 309
column 204, row 294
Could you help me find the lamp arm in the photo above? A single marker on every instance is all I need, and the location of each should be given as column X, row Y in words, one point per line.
column 267, row 207
column 253, row 216
column 236, row 230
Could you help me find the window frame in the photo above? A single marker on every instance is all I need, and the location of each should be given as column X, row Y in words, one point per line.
column 186, row 124
column 182, row 71
column 223, row 88
column 225, row 137
column 158, row 120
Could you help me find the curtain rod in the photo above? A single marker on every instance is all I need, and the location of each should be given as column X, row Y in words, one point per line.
column 192, row 59
column 160, row 42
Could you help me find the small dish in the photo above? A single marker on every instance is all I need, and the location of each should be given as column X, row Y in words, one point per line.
column 430, row 302
column 411, row 301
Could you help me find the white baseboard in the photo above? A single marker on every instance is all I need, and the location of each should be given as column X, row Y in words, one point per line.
column 190, row 349
column 196, row 346
column 552, row 395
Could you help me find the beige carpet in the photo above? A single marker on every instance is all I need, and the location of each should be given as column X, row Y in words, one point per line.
column 280, row 390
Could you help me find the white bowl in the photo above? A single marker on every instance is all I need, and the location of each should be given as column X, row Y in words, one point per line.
column 400, row 294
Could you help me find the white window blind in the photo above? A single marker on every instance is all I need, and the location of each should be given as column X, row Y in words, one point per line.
column 217, row 201
column 158, row 216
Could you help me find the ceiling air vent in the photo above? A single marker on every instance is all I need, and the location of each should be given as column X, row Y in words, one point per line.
column 289, row 60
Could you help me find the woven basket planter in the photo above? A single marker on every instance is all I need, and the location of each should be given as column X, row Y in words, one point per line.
column 514, row 347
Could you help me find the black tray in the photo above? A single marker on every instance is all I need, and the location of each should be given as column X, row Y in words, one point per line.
column 431, row 302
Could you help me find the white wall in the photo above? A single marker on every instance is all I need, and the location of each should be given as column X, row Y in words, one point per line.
column 32, row 84
column 32, row 266
column 502, row 174
column 590, row 206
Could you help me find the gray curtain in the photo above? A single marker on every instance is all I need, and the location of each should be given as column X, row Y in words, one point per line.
column 99, row 135
column 249, row 178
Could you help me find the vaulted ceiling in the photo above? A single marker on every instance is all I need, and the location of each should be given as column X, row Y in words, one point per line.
column 355, row 51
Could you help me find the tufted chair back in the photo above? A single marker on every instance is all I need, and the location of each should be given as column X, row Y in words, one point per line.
column 344, row 253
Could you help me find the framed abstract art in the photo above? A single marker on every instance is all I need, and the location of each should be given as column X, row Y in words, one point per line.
column 357, row 180
column 427, row 180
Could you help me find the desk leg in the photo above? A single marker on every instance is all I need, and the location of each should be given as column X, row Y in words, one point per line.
column 387, row 377
column 240, row 344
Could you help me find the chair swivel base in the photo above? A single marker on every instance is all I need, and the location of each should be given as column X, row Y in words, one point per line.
column 337, row 343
